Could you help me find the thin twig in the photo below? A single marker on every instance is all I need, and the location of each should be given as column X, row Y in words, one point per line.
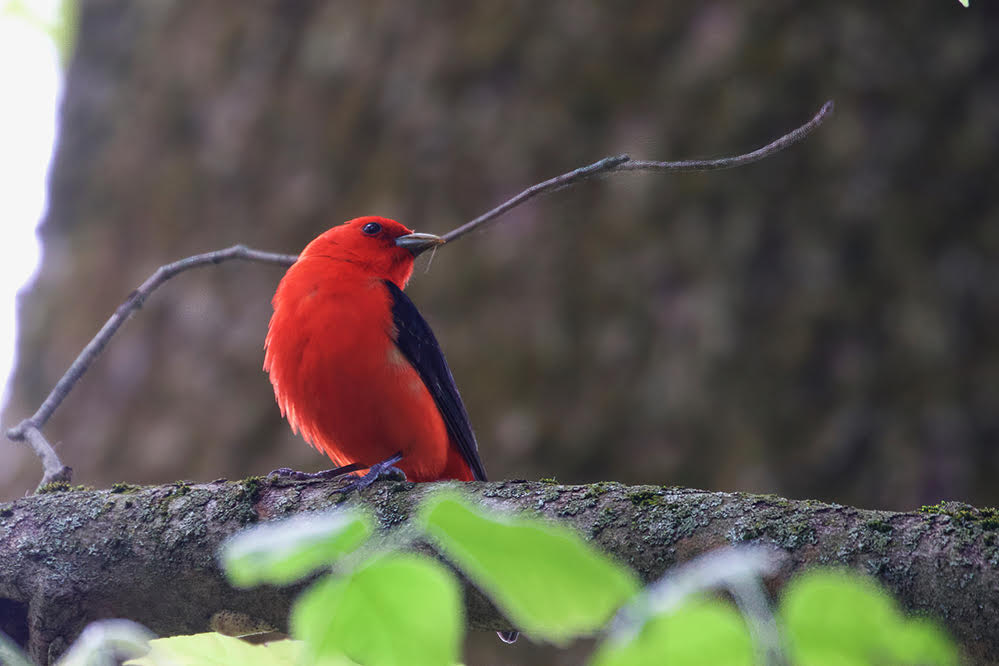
column 54, row 469
column 775, row 146
column 558, row 182
column 625, row 163
column 30, row 428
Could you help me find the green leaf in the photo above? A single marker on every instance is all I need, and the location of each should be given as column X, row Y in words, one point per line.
column 832, row 616
column 282, row 552
column 212, row 649
column 922, row 641
column 400, row 609
column 698, row 632
column 546, row 579
column 829, row 613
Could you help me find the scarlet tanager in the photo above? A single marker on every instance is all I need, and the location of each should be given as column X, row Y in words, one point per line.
column 355, row 368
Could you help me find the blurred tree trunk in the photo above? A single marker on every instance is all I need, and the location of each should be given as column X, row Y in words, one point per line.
column 817, row 325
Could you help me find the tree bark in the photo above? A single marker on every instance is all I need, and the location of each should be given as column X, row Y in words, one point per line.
column 149, row 553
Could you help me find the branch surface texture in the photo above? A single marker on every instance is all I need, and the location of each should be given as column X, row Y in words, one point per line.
column 149, row 554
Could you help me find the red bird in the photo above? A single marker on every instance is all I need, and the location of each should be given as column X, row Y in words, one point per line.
column 356, row 369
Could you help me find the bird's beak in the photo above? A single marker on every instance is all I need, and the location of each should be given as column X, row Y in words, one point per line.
column 417, row 243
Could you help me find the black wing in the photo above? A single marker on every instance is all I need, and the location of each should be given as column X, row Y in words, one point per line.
column 417, row 343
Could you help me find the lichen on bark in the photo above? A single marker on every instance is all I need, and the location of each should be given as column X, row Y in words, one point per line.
column 68, row 557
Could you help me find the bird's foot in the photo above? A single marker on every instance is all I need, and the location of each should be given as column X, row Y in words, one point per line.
column 324, row 475
column 384, row 470
column 508, row 636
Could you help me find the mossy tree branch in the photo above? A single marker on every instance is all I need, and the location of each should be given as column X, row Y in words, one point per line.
column 149, row 554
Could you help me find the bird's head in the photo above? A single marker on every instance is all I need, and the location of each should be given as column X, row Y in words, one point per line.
column 377, row 245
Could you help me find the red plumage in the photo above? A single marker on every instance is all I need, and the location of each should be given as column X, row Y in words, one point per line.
column 349, row 372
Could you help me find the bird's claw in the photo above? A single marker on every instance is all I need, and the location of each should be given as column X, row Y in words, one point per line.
column 324, row 475
column 386, row 469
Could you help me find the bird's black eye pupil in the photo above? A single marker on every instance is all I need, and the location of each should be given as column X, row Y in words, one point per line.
column 371, row 228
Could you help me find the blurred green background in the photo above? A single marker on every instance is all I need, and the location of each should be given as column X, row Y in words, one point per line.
column 820, row 324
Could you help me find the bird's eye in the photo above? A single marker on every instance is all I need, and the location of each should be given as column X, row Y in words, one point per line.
column 371, row 228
